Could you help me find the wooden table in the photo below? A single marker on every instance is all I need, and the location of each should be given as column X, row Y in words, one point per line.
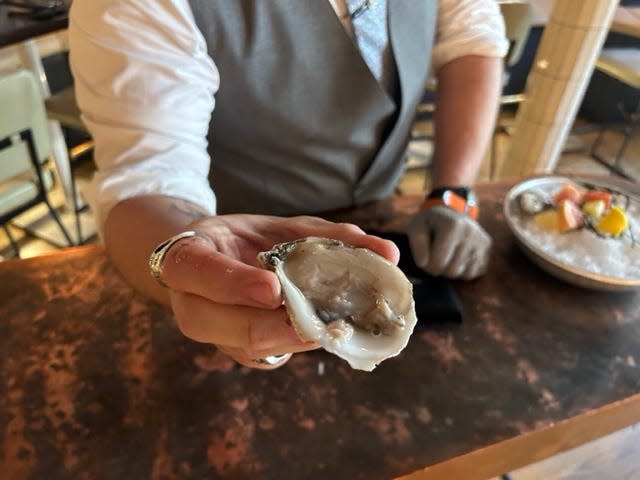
column 96, row 382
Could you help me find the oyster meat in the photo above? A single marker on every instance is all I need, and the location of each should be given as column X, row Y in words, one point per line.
column 351, row 301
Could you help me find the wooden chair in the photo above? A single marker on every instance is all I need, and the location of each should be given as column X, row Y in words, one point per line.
column 24, row 151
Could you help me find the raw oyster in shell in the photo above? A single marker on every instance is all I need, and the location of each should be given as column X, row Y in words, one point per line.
column 532, row 202
column 351, row 301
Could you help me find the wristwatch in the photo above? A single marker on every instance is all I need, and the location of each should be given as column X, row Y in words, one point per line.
column 461, row 199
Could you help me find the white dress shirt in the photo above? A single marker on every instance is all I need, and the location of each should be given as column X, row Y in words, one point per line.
column 147, row 94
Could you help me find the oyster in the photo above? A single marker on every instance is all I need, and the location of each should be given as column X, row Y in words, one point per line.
column 532, row 202
column 351, row 301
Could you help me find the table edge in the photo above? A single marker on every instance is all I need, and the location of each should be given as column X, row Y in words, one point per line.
column 523, row 450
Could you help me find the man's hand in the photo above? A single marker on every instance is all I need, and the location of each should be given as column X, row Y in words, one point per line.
column 445, row 242
column 221, row 295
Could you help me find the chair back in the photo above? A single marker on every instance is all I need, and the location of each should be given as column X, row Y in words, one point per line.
column 518, row 15
column 22, row 108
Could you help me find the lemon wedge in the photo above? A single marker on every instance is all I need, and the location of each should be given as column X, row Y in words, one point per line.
column 594, row 208
column 614, row 222
column 547, row 220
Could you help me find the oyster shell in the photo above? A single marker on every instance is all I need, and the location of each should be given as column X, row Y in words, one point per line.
column 351, row 301
column 532, row 202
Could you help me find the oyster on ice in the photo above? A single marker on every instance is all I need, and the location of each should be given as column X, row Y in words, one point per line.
column 351, row 301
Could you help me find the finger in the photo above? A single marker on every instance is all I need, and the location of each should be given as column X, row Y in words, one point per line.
column 482, row 254
column 477, row 266
column 253, row 359
column 242, row 358
column 305, row 347
column 420, row 243
column 442, row 251
column 307, row 226
column 251, row 329
column 195, row 266
column 385, row 248
column 472, row 271
column 459, row 262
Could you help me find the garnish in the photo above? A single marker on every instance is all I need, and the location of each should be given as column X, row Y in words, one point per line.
column 576, row 206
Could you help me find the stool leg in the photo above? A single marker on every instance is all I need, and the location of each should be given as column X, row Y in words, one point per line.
column 12, row 241
column 623, row 147
column 613, row 167
column 55, row 216
column 597, row 141
column 633, row 121
column 76, row 208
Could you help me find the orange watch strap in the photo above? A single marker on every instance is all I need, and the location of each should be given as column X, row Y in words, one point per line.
column 455, row 202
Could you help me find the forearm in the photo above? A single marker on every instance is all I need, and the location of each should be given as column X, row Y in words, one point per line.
column 467, row 102
column 135, row 227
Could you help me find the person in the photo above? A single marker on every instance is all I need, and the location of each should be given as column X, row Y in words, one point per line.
column 239, row 122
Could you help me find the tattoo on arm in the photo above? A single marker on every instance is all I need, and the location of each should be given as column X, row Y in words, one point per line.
column 186, row 209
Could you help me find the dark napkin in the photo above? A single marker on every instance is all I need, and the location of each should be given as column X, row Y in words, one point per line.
column 436, row 300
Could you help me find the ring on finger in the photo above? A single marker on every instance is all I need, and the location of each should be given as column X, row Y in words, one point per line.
column 272, row 360
column 157, row 257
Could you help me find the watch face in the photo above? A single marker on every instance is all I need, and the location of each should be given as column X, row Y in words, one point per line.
column 464, row 192
column 471, row 196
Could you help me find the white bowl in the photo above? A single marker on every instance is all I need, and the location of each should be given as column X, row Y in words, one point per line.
column 552, row 262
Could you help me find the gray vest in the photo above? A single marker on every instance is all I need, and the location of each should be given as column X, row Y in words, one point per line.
column 300, row 123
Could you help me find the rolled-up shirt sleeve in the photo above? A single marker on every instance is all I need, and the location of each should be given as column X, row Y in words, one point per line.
column 468, row 27
column 145, row 85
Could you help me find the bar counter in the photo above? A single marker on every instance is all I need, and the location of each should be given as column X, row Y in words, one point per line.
column 97, row 382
